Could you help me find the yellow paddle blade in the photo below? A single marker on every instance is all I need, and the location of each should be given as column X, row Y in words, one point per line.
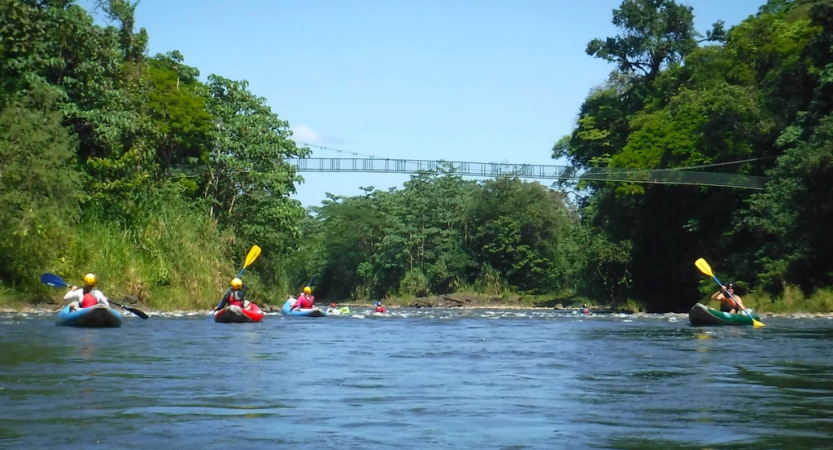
column 252, row 256
column 704, row 267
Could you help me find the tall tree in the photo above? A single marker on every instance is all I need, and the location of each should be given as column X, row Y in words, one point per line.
column 654, row 34
column 39, row 189
column 56, row 45
column 248, row 181
column 132, row 44
column 177, row 108
column 791, row 218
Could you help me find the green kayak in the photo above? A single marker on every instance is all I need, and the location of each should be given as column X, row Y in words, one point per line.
column 701, row 315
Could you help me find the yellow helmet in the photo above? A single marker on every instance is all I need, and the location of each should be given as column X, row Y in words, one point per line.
column 90, row 279
column 307, row 290
column 236, row 283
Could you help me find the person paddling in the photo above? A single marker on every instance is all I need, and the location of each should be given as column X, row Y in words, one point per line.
column 305, row 299
column 380, row 308
column 86, row 296
column 235, row 296
column 729, row 302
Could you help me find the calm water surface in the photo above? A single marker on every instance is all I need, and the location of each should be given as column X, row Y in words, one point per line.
column 417, row 379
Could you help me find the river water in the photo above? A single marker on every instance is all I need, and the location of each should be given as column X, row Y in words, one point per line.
column 418, row 378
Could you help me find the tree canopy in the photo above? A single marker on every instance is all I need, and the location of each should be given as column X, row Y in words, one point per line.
column 750, row 105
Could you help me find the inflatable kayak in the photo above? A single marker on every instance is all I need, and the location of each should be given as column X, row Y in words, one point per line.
column 237, row 314
column 701, row 315
column 96, row 316
column 308, row 312
column 342, row 311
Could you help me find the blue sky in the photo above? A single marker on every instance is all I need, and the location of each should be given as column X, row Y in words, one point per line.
column 462, row 80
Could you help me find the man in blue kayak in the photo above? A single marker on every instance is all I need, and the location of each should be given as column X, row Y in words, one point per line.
column 86, row 296
column 729, row 302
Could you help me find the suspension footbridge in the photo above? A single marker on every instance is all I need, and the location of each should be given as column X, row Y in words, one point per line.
column 529, row 171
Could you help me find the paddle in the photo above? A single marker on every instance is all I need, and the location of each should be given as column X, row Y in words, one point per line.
column 254, row 252
column 707, row 270
column 311, row 280
column 50, row 279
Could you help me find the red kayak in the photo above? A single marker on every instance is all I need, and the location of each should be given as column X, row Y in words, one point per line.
column 237, row 314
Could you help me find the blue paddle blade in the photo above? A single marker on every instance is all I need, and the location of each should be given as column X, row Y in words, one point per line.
column 50, row 279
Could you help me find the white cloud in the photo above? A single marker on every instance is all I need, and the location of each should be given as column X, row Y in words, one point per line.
column 303, row 134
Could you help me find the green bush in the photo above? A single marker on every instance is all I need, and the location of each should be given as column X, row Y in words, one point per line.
column 173, row 261
column 414, row 283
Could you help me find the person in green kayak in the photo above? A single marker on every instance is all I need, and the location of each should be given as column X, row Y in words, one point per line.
column 338, row 310
column 86, row 296
column 729, row 302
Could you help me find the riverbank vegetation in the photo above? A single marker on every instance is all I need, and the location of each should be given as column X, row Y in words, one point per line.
column 136, row 168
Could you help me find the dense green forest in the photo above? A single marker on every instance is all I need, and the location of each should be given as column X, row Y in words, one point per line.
column 130, row 166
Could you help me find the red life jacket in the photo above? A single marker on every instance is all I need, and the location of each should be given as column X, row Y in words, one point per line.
column 88, row 300
column 380, row 308
column 235, row 298
column 303, row 302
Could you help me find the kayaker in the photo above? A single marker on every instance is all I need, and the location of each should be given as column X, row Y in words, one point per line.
column 332, row 309
column 729, row 302
column 380, row 308
column 86, row 296
column 235, row 296
column 305, row 299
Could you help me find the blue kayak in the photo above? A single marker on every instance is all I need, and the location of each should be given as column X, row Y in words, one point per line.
column 98, row 316
column 308, row 312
